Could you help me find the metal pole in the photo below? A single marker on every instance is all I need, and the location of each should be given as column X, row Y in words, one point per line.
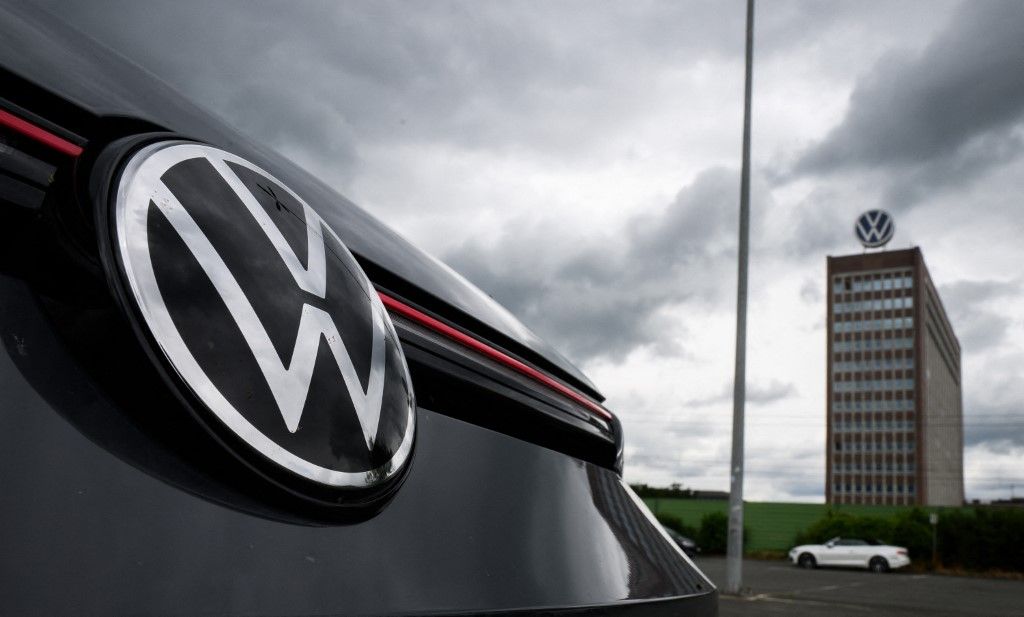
column 734, row 546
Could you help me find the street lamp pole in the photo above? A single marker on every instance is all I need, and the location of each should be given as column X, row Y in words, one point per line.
column 734, row 541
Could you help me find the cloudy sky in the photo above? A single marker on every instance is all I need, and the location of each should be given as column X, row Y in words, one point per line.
column 579, row 161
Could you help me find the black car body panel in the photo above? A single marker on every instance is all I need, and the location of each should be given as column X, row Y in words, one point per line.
column 114, row 501
column 100, row 517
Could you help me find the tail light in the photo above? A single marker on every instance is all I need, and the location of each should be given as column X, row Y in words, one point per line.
column 40, row 135
column 29, row 159
column 396, row 306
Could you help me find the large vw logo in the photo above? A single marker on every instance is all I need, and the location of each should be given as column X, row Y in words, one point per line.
column 874, row 228
column 264, row 314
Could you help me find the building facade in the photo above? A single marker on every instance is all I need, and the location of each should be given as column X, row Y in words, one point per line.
column 895, row 405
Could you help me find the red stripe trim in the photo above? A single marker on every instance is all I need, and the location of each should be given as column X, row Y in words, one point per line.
column 499, row 356
column 41, row 135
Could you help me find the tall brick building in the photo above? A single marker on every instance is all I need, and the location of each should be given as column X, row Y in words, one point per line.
column 895, row 404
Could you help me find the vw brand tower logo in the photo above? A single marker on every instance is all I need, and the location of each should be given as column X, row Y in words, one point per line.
column 874, row 228
column 264, row 314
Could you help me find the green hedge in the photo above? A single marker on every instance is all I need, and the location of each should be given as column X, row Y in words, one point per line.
column 714, row 533
column 989, row 538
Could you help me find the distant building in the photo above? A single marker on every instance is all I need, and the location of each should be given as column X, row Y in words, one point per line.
column 895, row 404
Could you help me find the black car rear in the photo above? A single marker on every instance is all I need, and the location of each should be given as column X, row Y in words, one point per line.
column 125, row 491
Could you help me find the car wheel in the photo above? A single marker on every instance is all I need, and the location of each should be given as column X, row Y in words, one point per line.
column 807, row 561
column 878, row 564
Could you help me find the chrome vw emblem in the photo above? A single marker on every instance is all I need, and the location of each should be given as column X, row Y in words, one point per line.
column 874, row 228
column 248, row 291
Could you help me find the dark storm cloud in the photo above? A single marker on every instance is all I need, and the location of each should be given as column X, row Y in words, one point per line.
column 321, row 81
column 797, row 472
column 662, row 459
column 756, row 394
column 978, row 328
column 810, row 291
column 821, row 223
column 999, row 427
column 962, row 295
column 774, row 391
column 941, row 117
column 724, row 394
column 605, row 296
column 328, row 78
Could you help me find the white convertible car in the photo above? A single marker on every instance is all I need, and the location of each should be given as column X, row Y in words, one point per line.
column 850, row 553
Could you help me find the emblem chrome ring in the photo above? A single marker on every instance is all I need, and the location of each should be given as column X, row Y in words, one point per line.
column 140, row 185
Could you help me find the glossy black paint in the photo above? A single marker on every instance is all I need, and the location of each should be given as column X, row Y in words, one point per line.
column 98, row 517
column 687, row 545
column 115, row 500
column 100, row 94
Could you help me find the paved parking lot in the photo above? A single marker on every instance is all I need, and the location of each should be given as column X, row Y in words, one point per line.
column 778, row 588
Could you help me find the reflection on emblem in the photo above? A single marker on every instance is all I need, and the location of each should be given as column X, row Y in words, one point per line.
column 874, row 228
column 178, row 195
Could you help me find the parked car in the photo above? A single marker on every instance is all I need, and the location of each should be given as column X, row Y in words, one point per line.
column 226, row 389
column 848, row 552
column 688, row 545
